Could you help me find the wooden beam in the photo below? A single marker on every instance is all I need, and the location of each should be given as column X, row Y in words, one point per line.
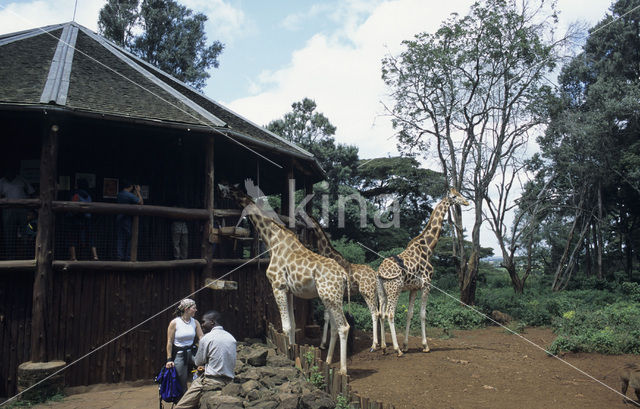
column 140, row 210
column 17, row 265
column 68, row 265
column 44, row 243
column 28, row 203
column 79, row 265
column 135, row 230
column 209, row 200
column 62, row 206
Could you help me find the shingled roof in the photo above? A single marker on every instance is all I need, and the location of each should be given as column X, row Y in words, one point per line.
column 70, row 67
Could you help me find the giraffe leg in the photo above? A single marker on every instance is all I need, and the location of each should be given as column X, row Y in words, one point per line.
column 281, row 302
column 332, row 339
column 340, row 328
column 412, row 301
column 382, row 312
column 423, row 318
column 292, row 318
column 370, row 299
column 325, row 330
column 392, row 301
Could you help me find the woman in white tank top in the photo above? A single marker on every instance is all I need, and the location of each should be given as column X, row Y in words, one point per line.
column 181, row 336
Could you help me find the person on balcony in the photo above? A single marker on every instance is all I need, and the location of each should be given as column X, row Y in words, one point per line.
column 130, row 194
column 13, row 186
column 81, row 224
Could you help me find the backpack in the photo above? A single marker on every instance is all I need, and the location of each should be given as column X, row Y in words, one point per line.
column 169, row 387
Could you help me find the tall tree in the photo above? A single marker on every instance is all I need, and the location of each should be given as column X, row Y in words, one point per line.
column 117, row 19
column 474, row 90
column 172, row 37
column 592, row 141
column 313, row 131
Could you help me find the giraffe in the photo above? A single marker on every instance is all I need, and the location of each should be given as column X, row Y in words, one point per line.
column 295, row 270
column 411, row 270
column 362, row 277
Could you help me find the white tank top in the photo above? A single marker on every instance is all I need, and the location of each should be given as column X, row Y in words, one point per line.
column 185, row 333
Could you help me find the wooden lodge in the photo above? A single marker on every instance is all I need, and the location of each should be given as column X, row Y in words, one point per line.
column 74, row 105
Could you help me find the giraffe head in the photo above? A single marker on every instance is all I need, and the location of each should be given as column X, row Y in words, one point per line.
column 455, row 197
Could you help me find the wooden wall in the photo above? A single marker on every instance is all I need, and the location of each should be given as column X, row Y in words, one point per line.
column 89, row 308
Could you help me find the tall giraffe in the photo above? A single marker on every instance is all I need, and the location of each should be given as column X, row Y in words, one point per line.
column 362, row 278
column 411, row 270
column 295, row 270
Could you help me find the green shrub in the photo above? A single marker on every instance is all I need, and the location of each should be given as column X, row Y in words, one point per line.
column 631, row 290
column 353, row 252
column 612, row 329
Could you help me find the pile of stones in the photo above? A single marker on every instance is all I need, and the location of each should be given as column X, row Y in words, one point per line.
column 266, row 380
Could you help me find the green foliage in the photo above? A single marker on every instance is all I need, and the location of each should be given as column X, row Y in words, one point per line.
column 592, row 142
column 172, row 38
column 342, row 402
column 353, row 252
column 315, row 377
column 37, row 401
column 612, row 329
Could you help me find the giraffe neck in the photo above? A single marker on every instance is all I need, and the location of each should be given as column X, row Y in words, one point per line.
column 325, row 248
column 256, row 216
column 430, row 235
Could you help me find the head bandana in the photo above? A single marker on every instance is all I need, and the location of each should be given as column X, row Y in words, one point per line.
column 186, row 303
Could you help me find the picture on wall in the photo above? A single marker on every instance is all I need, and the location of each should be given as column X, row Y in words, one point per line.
column 89, row 177
column 110, row 188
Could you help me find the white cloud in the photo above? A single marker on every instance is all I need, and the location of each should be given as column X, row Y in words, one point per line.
column 225, row 22
column 26, row 15
column 341, row 70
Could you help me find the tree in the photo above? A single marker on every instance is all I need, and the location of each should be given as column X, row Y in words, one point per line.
column 474, row 90
column 401, row 179
column 313, row 131
column 117, row 19
column 592, row 140
column 172, row 38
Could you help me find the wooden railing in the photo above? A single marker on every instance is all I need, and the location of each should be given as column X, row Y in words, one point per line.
column 335, row 383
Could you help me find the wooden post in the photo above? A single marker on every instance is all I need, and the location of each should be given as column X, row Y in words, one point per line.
column 289, row 199
column 292, row 198
column 44, row 243
column 135, row 229
column 308, row 190
column 209, row 189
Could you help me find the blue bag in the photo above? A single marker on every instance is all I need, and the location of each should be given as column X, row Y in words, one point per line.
column 169, row 389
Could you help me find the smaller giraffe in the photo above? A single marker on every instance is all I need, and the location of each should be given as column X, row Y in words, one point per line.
column 363, row 279
column 411, row 270
column 295, row 270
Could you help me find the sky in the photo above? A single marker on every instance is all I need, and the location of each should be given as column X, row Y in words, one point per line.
column 280, row 51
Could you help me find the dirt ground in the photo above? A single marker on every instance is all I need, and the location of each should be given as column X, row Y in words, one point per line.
column 487, row 368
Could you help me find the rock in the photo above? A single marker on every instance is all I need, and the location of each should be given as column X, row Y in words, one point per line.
column 232, row 389
column 501, row 317
column 267, row 404
column 258, row 358
column 279, row 361
column 317, row 400
column 249, row 386
column 213, row 400
column 287, row 401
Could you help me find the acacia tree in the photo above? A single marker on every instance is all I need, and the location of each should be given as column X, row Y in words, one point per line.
column 172, row 36
column 469, row 94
